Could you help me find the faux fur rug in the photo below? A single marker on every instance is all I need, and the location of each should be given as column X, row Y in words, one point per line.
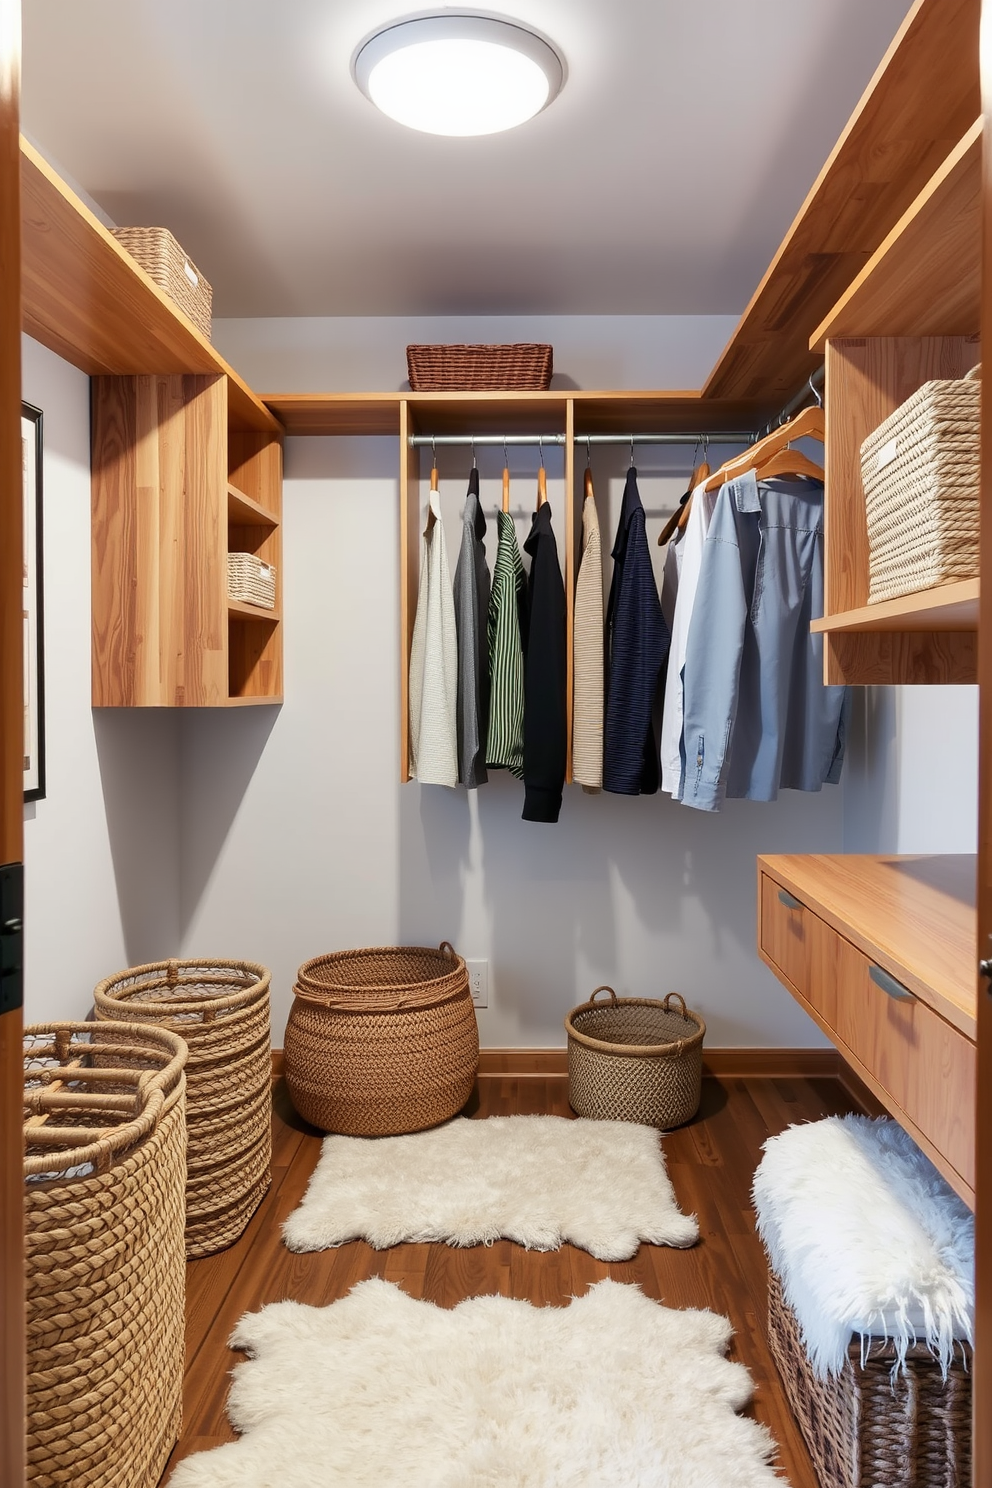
column 538, row 1180
column 867, row 1238
column 380, row 1391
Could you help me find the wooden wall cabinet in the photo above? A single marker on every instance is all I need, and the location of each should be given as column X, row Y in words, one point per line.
column 174, row 489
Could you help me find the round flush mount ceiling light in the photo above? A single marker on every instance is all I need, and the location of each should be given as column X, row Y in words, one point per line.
column 458, row 73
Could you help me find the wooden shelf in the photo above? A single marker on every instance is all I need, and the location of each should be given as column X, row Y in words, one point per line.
column 925, row 278
column 252, row 612
column 949, row 607
column 245, row 512
column 254, row 702
column 87, row 300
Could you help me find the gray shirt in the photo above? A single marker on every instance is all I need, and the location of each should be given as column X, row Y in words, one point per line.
column 471, row 619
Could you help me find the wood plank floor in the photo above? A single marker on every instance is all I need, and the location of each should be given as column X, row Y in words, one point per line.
column 711, row 1162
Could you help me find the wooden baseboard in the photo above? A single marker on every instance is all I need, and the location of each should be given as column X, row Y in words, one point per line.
column 755, row 1064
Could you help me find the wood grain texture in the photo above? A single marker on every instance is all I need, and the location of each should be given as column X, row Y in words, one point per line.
column 925, row 278
column 159, row 541
column 951, row 606
column 921, row 100
column 571, row 520
column 912, row 915
column 409, row 573
column 887, row 658
column 711, row 1163
column 87, row 300
column 254, row 525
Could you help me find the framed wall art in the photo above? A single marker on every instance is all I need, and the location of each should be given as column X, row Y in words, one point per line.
column 33, row 606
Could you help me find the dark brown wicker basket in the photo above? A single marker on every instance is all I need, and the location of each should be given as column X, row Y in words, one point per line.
column 382, row 1041
column 865, row 1429
column 634, row 1059
column 525, row 367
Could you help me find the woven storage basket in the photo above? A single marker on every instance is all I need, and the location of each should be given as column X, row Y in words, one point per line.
column 251, row 580
column 382, row 1041
column 175, row 273
column 526, row 367
column 633, row 1059
column 104, row 1167
column 221, row 1009
column 920, row 472
column 868, row 1429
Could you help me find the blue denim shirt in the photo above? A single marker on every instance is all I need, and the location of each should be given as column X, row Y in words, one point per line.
column 758, row 717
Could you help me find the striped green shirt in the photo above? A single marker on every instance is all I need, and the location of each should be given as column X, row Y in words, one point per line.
column 507, row 627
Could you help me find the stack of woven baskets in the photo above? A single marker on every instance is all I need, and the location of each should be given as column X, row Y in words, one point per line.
column 221, row 1010
column 105, row 1147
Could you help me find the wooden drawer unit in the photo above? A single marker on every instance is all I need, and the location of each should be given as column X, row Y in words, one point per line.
column 920, row 1064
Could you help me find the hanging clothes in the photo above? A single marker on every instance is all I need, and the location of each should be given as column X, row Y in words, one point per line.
column 637, row 642
column 507, row 631
column 690, row 550
column 471, row 621
column 758, row 717
column 587, row 654
column 545, row 726
column 434, row 664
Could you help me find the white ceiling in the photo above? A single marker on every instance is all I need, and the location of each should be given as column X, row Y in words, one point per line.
column 659, row 182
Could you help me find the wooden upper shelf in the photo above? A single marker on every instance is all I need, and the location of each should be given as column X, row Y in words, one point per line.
column 951, row 606
column 917, row 107
column 88, row 301
column 926, row 277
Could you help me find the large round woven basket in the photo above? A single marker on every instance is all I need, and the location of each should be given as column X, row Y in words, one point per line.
column 382, row 1041
column 104, row 1167
column 634, row 1059
column 221, row 1009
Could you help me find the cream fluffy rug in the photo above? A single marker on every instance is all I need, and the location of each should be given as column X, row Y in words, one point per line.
column 380, row 1391
column 538, row 1180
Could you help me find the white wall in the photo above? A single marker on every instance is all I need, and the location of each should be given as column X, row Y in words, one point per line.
column 102, row 849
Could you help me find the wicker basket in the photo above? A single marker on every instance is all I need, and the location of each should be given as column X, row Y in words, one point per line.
column 633, row 1059
column 221, row 1009
column 251, row 581
column 175, row 273
column 867, row 1429
column 382, row 1041
column 105, row 1144
column 526, row 367
column 920, row 472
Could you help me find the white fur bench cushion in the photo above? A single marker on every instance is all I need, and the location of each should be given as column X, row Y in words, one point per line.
column 866, row 1237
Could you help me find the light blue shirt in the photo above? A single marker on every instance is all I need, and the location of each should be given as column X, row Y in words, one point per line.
column 757, row 716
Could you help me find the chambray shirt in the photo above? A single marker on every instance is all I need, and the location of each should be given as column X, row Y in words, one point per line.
column 757, row 715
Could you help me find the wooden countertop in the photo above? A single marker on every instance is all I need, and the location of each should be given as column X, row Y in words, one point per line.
column 914, row 916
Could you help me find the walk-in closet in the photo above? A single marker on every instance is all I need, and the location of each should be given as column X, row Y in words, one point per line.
column 496, row 866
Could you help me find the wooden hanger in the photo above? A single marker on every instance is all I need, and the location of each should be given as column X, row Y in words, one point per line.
column 809, row 424
column 506, row 488
column 788, row 463
column 431, row 518
column 678, row 519
column 587, row 494
column 542, row 487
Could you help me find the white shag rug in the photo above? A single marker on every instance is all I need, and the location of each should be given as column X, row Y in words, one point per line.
column 381, row 1391
column 866, row 1237
column 539, row 1180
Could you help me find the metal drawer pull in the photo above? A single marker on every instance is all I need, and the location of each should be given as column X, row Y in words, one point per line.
column 890, row 986
column 786, row 898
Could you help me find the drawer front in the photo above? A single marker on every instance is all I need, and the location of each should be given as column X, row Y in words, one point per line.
column 783, row 930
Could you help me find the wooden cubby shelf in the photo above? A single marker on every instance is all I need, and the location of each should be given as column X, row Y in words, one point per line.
column 244, row 512
column 252, row 612
column 949, row 607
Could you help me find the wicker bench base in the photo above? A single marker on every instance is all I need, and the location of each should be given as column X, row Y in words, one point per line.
column 865, row 1431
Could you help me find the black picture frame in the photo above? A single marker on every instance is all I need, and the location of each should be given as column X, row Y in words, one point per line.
column 33, row 448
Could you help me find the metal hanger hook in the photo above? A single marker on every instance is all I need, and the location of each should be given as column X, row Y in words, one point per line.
column 815, row 391
column 506, row 458
column 632, row 451
column 474, row 464
column 588, row 453
column 434, row 452
column 540, row 448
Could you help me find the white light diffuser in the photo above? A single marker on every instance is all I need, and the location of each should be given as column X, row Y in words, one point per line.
column 458, row 74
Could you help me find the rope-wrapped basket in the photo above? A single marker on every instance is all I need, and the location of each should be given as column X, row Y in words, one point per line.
column 104, row 1169
column 635, row 1059
column 382, row 1041
column 221, row 1009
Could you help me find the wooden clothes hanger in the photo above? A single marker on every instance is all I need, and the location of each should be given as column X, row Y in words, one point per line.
column 506, row 488
column 809, row 424
column 677, row 521
column 587, row 491
column 431, row 518
column 542, row 487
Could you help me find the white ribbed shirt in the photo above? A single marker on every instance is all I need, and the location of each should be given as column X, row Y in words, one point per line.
column 434, row 664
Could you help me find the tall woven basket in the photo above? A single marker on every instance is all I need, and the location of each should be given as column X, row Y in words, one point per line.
column 104, row 1169
column 868, row 1428
column 382, row 1041
column 634, row 1059
column 221, row 1009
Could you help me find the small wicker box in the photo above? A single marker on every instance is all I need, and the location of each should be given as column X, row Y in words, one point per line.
column 524, row 367
column 175, row 273
column 634, row 1059
column 251, row 581
column 868, row 1429
column 920, row 473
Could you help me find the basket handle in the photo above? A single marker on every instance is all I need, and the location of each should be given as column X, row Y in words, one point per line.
column 975, row 375
column 448, row 949
column 681, row 1001
column 613, row 995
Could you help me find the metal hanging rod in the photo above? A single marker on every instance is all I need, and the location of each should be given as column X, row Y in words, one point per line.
column 440, row 441
column 810, row 389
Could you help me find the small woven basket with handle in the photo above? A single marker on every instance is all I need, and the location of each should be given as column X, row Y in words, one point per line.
column 175, row 273
column 382, row 1041
column 635, row 1059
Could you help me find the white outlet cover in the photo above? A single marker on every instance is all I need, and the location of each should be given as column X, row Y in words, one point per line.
column 478, row 981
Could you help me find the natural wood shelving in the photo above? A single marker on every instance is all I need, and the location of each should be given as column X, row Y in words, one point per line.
column 252, row 612
column 949, row 607
column 926, row 277
column 245, row 512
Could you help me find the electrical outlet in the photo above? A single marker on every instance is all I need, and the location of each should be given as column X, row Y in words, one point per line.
column 478, row 982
